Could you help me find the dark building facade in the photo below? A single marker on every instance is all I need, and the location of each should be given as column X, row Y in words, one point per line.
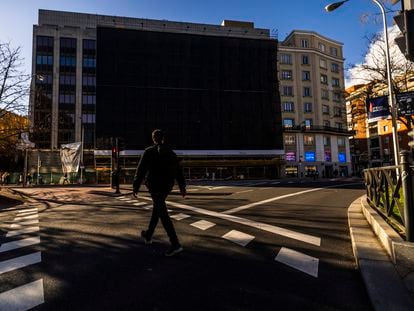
column 207, row 92
column 213, row 88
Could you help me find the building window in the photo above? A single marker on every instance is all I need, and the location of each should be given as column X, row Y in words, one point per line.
column 308, row 123
column 67, row 98
column 88, row 99
column 341, row 141
column 286, row 75
column 386, row 129
column 336, row 97
column 327, row 123
column 307, row 107
column 339, row 125
column 325, row 94
column 287, row 90
column 288, row 123
column 305, row 60
column 44, row 59
column 324, row 79
column 335, row 82
column 290, row 139
column 308, row 140
column 307, row 91
column 305, row 75
column 89, row 62
column 334, row 67
column 88, row 118
column 325, row 109
column 89, row 44
column 334, row 51
column 288, row 107
column 43, row 41
column 322, row 47
column 326, row 141
column 67, row 61
column 88, row 80
column 322, row 63
column 285, row 58
column 304, row 43
column 337, row 112
column 67, row 79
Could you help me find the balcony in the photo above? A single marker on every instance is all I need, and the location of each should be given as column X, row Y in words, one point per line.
column 317, row 129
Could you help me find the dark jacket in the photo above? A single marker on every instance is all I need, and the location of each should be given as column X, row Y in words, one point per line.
column 159, row 165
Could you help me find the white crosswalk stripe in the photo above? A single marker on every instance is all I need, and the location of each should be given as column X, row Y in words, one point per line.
column 180, row 216
column 299, row 261
column 238, row 237
column 20, row 262
column 203, row 224
column 29, row 295
column 23, row 297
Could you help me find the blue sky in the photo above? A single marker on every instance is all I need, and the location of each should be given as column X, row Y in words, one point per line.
column 344, row 24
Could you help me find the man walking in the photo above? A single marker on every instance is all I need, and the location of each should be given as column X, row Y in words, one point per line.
column 159, row 165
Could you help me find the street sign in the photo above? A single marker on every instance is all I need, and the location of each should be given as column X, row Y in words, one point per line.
column 405, row 104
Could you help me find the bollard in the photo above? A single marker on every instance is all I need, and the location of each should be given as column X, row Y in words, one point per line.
column 407, row 184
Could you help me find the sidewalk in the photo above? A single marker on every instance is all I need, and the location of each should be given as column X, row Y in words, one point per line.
column 386, row 262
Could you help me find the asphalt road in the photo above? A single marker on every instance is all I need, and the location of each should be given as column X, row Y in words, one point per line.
column 248, row 245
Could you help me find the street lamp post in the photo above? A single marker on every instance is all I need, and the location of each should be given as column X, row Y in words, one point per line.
column 333, row 6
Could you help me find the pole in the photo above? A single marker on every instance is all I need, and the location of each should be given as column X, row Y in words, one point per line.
column 25, row 167
column 38, row 166
column 407, row 184
column 391, row 101
column 82, row 165
column 117, row 166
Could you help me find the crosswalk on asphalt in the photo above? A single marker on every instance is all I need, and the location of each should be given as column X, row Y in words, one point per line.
column 294, row 259
column 29, row 295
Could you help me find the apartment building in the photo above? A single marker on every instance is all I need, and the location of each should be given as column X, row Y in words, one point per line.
column 311, row 76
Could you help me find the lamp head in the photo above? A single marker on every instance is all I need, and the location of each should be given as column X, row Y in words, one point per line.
column 333, row 6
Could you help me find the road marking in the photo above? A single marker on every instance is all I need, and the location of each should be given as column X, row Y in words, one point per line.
column 28, row 210
column 298, row 261
column 275, row 183
column 25, row 223
column 23, row 298
column 130, row 201
column 140, row 203
column 18, row 244
column 243, row 207
column 21, row 214
column 124, row 199
column 22, row 231
column 180, row 216
column 19, row 262
column 238, row 237
column 244, row 191
column 258, row 225
column 26, row 217
column 203, row 224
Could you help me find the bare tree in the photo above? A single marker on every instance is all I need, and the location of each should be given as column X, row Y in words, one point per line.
column 373, row 71
column 14, row 93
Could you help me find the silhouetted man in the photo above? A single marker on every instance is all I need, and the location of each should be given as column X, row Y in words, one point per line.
column 159, row 165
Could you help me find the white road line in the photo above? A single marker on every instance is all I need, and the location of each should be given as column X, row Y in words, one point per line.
column 180, row 216
column 238, row 237
column 299, row 261
column 27, row 213
column 258, row 225
column 28, row 210
column 140, row 203
column 23, row 298
column 25, row 223
column 35, row 216
column 130, row 201
column 124, row 199
column 203, row 224
column 243, row 207
column 18, row 244
column 20, row 262
column 244, row 191
column 275, row 183
column 22, row 231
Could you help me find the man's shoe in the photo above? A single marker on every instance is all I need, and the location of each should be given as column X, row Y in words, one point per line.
column 144, row 237
column 174, row 249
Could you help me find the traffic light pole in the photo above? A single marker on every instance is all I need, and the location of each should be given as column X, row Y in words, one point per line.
column 117, row 167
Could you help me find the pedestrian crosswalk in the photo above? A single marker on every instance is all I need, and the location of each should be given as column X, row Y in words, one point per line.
column 29, row 295
column 294, row 259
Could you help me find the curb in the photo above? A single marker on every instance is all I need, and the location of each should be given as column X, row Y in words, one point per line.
column 384, row 284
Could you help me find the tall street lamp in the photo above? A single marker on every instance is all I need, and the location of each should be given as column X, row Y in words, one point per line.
column 333, row 6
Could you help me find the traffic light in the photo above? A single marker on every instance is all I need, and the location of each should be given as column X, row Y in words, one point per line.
column 114, row 152
column 405, row 41
column 411, row 142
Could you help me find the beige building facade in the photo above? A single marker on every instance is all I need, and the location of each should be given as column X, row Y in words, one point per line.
column 311, row 74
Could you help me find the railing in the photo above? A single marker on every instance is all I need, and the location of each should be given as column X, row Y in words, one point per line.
column 390, row 191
